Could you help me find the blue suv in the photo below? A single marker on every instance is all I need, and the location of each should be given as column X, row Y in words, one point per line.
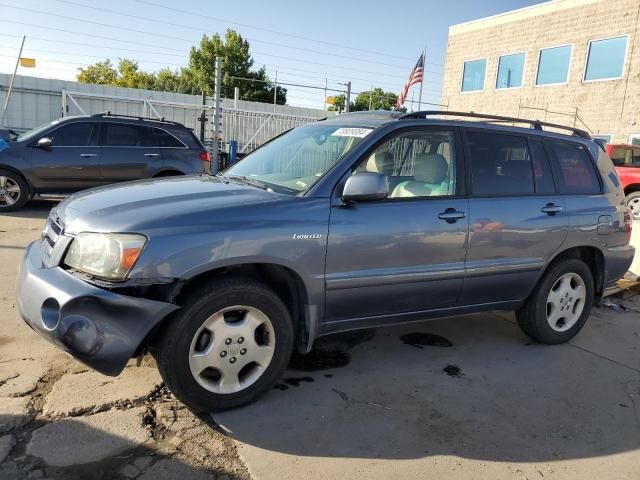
column 367, row 219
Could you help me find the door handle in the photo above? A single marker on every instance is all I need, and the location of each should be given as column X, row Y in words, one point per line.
column 451, row 215
column 87, row 155
column 551, row 209
column 151, row 154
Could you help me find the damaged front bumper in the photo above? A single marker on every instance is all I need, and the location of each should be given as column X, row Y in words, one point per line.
column 99, row 327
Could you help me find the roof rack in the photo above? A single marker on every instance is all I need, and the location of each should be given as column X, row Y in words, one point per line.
column 537, row 124
column 146, row 119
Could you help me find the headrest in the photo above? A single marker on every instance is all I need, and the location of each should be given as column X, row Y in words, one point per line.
column 430, row 168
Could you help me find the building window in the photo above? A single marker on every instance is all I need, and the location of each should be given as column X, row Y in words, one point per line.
column 473, row 75
column 510, row 70
column 634, row 139
column 605, row 59
column 553, row 65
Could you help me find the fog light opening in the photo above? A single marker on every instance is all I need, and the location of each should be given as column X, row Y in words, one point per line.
column 50, row 313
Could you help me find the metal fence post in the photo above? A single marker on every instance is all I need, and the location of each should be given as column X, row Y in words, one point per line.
column 215, row 152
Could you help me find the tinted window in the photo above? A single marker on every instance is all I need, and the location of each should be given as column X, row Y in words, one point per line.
column 165, row 139
column 541, row 168
column 606, row 58
column 121, row 135
column 74, row 135
column 574, row 169
column 553, row 65
column 146, row 137
column 417, row 164
column 510, row 69
column 473, row 75
column 500, row 164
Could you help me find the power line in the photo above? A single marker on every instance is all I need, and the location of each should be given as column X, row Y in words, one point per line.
column 173, row 37
column 300, row 37
column 254, row 53
column 190, row 28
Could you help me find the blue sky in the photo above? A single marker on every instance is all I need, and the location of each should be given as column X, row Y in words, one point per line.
column 306, row 42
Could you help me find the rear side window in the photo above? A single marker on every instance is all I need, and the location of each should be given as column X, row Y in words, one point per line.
column 541, row 168
column 120, row 135
column 166, row 140
column 573, row 168
column 500, row 164
column 74, row 135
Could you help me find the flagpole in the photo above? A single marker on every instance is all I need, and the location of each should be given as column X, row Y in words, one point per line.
column 424, row 71
column 15, row 70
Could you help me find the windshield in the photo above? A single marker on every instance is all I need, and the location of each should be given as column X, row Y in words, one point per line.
column 295, row 161
column 35, row 131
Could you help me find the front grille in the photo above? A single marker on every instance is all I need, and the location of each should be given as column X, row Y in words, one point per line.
column 51, row 233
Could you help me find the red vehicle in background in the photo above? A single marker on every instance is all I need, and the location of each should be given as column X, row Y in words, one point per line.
column 626, row 159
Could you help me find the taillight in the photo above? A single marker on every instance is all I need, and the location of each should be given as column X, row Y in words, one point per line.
column 206, row 160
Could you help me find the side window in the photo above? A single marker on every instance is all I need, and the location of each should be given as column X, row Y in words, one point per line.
column 166, row 140
column 120, row 135
column 75, row 135
column 146, row 137
column 500, row 164
column 573, row 168
column 542, row 174
column 417, row 164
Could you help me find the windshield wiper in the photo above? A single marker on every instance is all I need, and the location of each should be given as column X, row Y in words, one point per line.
column 254, row 182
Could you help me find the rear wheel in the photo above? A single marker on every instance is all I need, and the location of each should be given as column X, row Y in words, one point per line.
column 14, row 191
column 633, row 203
column 227, row 346
column 561, row 303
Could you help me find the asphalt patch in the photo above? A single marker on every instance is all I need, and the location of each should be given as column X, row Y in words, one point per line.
column 453, row 371
column 420, row 340
column 296, row 381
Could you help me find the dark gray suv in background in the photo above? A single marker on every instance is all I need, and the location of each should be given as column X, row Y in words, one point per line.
column 75, row 153
column 364, row 220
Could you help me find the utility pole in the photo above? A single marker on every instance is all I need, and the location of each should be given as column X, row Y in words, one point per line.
column 324, row 102
column 370, row 96
column 215, row 152
column 348, row 98
column 203, row 117
column 13, row 78
column 275, row 92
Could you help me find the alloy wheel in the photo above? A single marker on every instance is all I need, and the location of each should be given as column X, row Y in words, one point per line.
column 634, row 206
column 566, row 301
column 9, row 191
column 232, row 349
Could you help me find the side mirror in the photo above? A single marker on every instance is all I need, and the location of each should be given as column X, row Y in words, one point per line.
column 45, row 143
column 365, row 187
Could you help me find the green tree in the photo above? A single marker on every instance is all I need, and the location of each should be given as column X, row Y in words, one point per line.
column 237, row 65
column 339, row 103
column 380, row 100
column 199, row 75
column 101, row 73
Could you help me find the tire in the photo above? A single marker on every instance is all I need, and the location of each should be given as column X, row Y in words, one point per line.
column 14, row 191
column 567, row 307
column 196, row 350
column 633, row 203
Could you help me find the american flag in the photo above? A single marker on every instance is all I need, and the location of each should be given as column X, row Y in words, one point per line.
column 414, row 77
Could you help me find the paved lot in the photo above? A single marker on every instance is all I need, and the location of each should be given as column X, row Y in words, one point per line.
column 468, row 397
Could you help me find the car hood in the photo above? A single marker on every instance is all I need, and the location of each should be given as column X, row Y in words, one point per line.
column 164, row 203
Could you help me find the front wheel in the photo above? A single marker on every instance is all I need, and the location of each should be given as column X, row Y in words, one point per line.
column 227, row 346
column 633, row 203
column 14, row 191
column 561, row 303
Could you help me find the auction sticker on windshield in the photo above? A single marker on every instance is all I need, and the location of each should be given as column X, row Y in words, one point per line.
column 352, row 132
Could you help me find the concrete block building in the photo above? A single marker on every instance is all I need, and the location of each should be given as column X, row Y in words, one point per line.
column 573, row 62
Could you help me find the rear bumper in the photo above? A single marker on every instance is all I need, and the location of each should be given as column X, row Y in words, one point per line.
column 100, row 328
column 617, row 262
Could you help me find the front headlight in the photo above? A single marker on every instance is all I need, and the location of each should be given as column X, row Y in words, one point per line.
column 109, row 256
